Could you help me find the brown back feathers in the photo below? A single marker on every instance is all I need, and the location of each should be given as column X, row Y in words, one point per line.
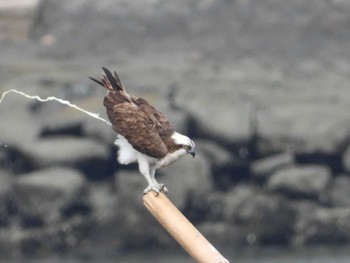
column 144, row 127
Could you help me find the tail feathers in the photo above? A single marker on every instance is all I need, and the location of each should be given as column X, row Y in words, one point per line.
column 97, row 81
column 112, row 82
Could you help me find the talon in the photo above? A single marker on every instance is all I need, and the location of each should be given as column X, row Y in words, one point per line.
column 152, row 187
column 163, row 188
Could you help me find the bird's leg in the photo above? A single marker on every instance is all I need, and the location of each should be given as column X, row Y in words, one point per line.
column 145, row 170
column 160, row 186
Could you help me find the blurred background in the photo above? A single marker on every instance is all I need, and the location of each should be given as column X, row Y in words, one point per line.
column 262, row 86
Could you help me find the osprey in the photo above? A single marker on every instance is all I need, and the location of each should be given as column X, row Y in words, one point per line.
column 144, row 133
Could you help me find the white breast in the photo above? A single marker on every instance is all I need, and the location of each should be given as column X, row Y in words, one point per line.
column 170, row 157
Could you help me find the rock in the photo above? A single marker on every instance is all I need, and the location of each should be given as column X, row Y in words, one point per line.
column 64, row 237
column 226, row 168
column 83, row 154
column 302, row 85
column 6, row 184
column 215, row 205
column 14, row 161
column 186, row 178
column 326, row 226
column 61, row 120
column 295, row 126
column 346, row 159
column 211, row 120
column 302, row 181
column 163, row 102
column 129, row 187
column 176, row 21
column 214, row 153
column 107, row 212
column 99, row 131
column 12, row 119
column 132, row 216
column 263, row 168
column 102, row 201
column 251, row 78
column 339, row 192
column 42, row 196
column 257, row 217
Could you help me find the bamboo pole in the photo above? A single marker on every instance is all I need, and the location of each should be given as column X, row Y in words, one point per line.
column 178, row 226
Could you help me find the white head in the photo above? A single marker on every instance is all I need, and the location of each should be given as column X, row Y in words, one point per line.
column 185, row 143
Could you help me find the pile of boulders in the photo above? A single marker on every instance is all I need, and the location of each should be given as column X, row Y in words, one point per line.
column 63, row 189
column 260, row 86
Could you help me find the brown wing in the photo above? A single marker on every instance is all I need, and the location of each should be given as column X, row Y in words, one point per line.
column 134, row 118
column 139, row 130
column 163, row 125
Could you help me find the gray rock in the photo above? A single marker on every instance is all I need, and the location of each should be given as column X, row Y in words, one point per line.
column 296, row 126
column 6, row 182
column 91, row 157
column 239, row 85
column 132, row 216
column 102, row 201
column 177, row 117
column 129, row 185
column 58, row 120
column 188, row 182
column 210, row 120
column 227, row 169
column 109, row 213
column 99, row 131
column 339, row 191
column 12, row 119
column 215, row 207
column 346, row 159
column 65, row 150
column 41, row 196
column 214, row 153
column 316, row 225
column 170, row 22
column 62, row 237
column 264, row 218
column 186, row 178
column 308, row 180
column 211, row 84
column 222, row 206
column 263, row 168
column 6, row 186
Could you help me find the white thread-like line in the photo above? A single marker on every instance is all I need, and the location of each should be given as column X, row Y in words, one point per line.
column 51, row 98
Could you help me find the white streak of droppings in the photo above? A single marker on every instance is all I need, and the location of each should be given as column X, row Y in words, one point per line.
column 51, row 98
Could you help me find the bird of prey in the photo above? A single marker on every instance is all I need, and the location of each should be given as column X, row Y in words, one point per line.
column 144, row 133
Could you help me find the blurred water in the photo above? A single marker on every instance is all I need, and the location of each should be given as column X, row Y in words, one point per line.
column 257, row 255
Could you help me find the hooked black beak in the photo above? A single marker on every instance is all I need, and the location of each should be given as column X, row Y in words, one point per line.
column 193, row 153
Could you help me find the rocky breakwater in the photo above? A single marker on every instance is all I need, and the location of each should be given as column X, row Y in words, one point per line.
column 268, row 113
column 62, row 189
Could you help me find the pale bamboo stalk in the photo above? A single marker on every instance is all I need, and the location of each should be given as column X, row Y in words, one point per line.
column 178, row 226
